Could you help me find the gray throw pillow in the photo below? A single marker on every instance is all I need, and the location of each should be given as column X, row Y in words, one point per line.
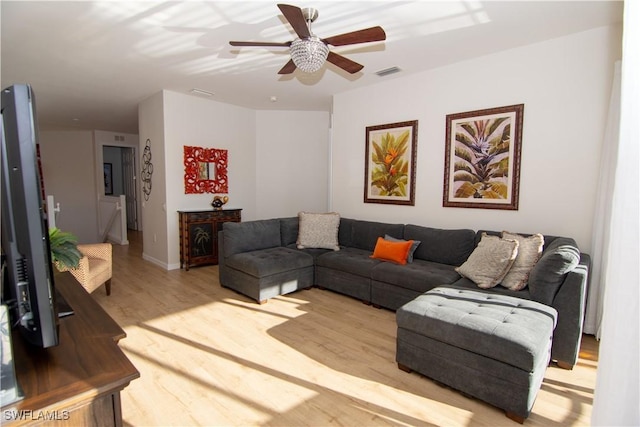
column 413, row 248
column 490, row 261
column 560, row 257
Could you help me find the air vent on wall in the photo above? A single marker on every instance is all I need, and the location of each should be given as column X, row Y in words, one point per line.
column 388, row 71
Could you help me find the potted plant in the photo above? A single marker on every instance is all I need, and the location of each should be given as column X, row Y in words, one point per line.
column 64, row 249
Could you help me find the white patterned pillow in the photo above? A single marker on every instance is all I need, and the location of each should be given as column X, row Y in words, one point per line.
column 318, row 230
column 529, row 252
column 490, row 261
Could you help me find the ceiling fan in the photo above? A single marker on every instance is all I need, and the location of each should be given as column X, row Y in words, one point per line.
column 309, row 52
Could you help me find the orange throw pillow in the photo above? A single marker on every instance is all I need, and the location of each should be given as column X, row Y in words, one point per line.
column 392, row 251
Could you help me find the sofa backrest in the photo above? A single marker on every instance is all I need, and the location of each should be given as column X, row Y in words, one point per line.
column 547, row 238
column 290, row 226
column 345, row 232
column 451, row 247
column 250, row 236
column 560, row 255
column 364, row 234
column 289, row 230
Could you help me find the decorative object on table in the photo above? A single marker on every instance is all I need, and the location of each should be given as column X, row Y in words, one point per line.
column 218, row 202
column 108, row 179
column 308, row 52
column 482, row 158
column 205, row 170
column 64, row 248
column 390, row 163
column 147, row 170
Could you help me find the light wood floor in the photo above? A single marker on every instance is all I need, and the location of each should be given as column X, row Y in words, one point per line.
column 209, row 356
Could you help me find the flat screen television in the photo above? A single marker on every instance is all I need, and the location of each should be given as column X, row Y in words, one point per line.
column 28, row 287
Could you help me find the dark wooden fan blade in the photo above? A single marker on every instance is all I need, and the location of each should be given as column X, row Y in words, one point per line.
column 373, row 34
column 296, row 19
column 288, row 68
column 286, row 44
column 346, row 64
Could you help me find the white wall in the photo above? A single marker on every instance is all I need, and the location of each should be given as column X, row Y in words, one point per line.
column 290, row 175
column 292, row 151
column 564, row 84
column 153, row 215
column 68, row 163
column 194, row 121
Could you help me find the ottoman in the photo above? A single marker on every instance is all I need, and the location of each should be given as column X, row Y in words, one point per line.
column 493, row 347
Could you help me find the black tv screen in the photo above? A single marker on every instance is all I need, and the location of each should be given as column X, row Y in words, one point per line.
column 28, row 283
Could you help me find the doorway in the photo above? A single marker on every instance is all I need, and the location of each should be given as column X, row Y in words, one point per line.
column 122, row 179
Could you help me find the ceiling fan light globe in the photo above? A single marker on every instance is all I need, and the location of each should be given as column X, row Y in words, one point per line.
column 309, row 54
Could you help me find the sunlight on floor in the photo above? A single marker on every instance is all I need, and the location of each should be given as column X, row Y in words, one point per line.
column 208, row 356
column 240, row 380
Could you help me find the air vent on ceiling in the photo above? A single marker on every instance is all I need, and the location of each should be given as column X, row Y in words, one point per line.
column 387, row 71
column 201, row 92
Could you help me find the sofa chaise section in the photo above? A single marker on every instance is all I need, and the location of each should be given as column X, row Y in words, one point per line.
column 255, row 263
column 493, row 347
column 560, row 280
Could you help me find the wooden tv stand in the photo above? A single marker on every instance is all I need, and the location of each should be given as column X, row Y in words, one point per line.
column 77, row 382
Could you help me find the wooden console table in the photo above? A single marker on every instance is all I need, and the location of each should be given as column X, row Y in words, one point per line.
column 77, row 382
column 199, row 235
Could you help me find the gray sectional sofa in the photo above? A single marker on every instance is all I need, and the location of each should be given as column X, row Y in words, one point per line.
column 260, row 259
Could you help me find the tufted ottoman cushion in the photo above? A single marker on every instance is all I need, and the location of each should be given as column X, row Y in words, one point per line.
column 266, row 262
column 493, row 347
column 266, row 273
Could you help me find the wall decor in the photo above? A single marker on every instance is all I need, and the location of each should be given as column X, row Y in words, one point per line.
column 390, row 163
column 147, row 170
column 482, row 158
column 108, row 178
column 205, row 170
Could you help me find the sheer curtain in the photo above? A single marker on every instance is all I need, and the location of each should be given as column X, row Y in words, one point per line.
column 604, row 206
column 618, row 379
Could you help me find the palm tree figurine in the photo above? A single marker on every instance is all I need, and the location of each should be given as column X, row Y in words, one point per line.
column 201, row 237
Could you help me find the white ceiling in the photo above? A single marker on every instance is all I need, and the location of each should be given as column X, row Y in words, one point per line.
column 91, row 62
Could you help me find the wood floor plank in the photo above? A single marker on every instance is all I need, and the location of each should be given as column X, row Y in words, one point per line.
column 210, row 356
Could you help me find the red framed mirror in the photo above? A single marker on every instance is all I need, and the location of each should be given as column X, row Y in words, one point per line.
column 205, row 170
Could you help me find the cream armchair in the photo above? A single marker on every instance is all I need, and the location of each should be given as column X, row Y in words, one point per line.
column 95, row 266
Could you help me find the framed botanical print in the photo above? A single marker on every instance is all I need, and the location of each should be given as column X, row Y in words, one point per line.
column 390, row 163
column 482, row 158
